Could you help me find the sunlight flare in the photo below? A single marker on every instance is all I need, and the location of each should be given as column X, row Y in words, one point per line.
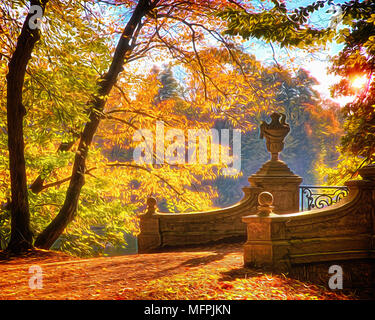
column 359, row 81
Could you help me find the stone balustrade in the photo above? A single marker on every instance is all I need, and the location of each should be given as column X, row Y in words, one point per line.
column 160, row 230
column 278, row 236
column 341, row 233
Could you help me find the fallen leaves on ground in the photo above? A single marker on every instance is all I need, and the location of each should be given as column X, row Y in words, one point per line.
column 207, row 284
column 204, row 273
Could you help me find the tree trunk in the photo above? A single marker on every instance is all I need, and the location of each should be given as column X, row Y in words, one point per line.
column 67, row 213
column 21, row 235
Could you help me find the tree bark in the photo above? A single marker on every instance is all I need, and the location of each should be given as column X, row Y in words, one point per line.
column 21, row 235
column 67, row 213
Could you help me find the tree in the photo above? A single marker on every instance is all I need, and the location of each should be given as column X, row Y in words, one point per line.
column 55, row 94
column 290, row 28
column 123, row 49
column 315, row 125
column 169, row 86
column 21, row 236
column 356, row 61
column 77, row 177
column 152, row 27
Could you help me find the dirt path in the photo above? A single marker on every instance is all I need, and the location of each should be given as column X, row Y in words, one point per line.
column 141, row 276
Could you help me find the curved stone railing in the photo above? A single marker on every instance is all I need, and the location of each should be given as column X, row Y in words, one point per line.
column 180, row 229
column 344, row 231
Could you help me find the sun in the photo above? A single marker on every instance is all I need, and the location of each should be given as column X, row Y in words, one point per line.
column 359, row 82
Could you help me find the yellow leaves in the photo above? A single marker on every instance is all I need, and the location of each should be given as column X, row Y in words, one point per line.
column 371, row 19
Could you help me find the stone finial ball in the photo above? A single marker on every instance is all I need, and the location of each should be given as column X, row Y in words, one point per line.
column 265, row 199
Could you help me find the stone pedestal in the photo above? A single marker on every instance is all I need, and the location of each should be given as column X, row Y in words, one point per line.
column 149, row 238
column 275, row 177
column 264, row 246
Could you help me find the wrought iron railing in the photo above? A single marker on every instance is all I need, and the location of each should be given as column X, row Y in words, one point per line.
column 317, row 197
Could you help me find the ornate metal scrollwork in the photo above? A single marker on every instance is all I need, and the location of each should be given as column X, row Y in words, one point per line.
column 317, row 197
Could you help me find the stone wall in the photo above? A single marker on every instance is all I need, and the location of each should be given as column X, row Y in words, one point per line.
column 343, row 232
column 159, row 230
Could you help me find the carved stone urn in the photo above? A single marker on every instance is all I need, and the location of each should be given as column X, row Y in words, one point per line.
column 274, row 133
column 275, row 176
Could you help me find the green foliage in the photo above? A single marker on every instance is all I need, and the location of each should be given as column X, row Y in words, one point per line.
column 101, row 220
column 276, row 24
column 4, row 228
column 61, row 78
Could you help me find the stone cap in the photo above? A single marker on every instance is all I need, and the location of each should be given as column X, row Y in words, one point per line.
column 275, row 168
column 274, row 171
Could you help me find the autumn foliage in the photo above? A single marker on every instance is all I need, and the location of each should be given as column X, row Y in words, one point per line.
column 97, row 75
